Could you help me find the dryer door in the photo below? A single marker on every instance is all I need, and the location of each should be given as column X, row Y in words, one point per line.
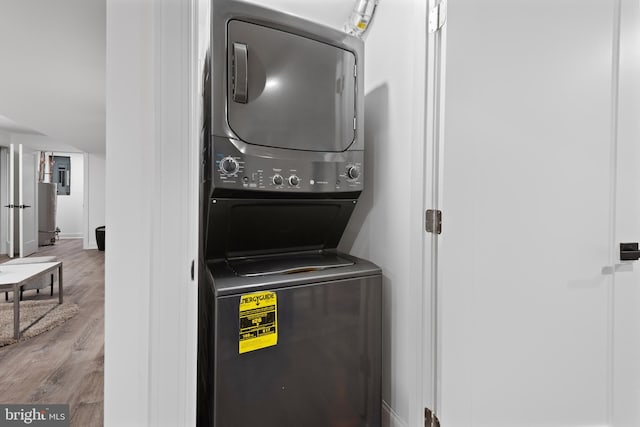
column 289, row 91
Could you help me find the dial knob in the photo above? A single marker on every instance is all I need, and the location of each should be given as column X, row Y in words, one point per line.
column 229, row 165
column 353, row 172
column 294, row 181
column 277, row 179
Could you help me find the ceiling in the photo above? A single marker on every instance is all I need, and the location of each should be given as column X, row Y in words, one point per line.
column 52, row 78
column 8, row 125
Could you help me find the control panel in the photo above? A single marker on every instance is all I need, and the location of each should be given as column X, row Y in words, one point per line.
column 299, row 172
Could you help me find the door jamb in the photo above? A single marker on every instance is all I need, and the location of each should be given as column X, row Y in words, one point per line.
column 434, row 102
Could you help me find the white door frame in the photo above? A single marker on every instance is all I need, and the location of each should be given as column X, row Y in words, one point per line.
column 172, row 399
column 625, row 405
column 11, row 229
column 434, row 145
column 4, row 199
column 20, row 202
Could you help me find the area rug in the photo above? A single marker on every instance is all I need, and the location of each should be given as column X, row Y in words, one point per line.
column 36, row 317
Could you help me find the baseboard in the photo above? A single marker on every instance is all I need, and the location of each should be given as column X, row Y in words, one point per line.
column 390, row 418
column 91, row 246
column 71, row 236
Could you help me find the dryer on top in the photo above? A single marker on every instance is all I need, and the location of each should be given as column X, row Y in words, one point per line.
column 286, row 104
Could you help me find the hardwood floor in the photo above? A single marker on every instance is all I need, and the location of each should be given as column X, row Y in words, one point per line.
column 66, row 364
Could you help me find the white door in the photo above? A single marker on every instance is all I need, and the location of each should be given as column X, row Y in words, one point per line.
column 27, row 201
column 23, row 231
column 11, row 216
column 538, row 317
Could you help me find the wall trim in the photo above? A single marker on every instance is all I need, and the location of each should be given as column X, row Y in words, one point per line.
column 85, row 203
column 71, row 236
column 390, row 418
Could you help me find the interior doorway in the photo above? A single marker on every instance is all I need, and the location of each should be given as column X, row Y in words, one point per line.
column 18, row 193
column 66, row 170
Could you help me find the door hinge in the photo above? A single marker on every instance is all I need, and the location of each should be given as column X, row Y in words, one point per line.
column 430, row 419
column 193, row 269
column 354, row 123
column 355, row 70
column 433, row 221
column 438, row 16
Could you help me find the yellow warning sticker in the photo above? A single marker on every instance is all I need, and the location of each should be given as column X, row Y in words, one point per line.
column 258, row 321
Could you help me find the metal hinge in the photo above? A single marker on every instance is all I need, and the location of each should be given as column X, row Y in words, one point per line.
column 430, row 419
column 355, row 71
column 438, row 16
column 354, row 123
column 433, row 221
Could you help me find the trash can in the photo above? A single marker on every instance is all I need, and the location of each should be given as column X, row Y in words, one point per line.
column 100, row 237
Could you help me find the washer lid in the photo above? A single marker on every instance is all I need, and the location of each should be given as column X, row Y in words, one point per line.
column 224, row 281
column 289, row 91
column 289, row 264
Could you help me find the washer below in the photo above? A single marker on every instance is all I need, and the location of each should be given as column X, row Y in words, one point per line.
column 325, row 366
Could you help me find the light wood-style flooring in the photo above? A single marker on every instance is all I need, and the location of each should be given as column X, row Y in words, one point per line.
column 66, row 364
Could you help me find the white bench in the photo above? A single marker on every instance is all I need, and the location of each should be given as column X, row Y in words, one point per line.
column 36, row 284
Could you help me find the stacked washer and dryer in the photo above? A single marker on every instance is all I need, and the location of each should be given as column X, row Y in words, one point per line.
column 289, row 328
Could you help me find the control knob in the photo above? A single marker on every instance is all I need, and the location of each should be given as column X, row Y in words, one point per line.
column 294, row 181
column 353, row 172
column 229, row 165
column 277, row 179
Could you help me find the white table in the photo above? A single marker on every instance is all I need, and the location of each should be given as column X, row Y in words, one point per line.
column 14, row 277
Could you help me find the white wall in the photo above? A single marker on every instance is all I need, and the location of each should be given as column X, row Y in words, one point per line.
column 129, row 155
column 94, row 197
column 333, row 13
column 151, row 215
column 387, row 226
column 5, row 138
column 70, row 209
